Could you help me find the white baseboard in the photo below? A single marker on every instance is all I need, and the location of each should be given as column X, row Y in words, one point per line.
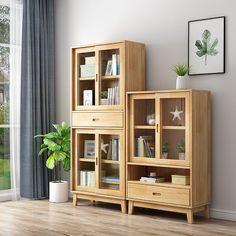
column 223, row 214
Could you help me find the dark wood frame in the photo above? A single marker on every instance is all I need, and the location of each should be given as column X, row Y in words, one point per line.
column 189, row 22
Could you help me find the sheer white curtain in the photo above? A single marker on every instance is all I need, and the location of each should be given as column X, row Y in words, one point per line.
column 16, row 13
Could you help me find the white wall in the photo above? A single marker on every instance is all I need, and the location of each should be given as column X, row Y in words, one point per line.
column 162, row 26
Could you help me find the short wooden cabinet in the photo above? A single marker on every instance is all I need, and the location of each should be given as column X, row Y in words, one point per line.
column 169, row 136
column 101, row 75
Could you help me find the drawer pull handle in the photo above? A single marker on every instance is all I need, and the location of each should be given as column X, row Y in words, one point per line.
column 94, row 119
column 156, row 194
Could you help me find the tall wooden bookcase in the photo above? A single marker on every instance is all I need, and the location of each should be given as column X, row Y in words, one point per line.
column 98, row 128
column 193, row 128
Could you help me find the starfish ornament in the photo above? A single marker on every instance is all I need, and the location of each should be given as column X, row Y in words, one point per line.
column 176, row 113
column 104, row 146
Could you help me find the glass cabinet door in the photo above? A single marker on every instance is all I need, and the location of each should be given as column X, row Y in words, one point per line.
column 85, row 160
column 85, row 77
column 174, row 128
column 110, row 75
column 111, row 161
column 144, row 129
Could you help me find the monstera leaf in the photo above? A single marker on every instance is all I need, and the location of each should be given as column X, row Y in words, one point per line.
column 205, row 47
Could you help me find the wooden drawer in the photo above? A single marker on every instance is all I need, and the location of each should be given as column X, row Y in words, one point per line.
column 97, row 119
column 178, row 196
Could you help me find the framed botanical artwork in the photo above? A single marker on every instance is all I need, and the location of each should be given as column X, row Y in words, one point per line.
column 206, row 46
column 89, row 148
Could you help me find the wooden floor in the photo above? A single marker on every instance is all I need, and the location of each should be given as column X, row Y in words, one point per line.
column 34, row 217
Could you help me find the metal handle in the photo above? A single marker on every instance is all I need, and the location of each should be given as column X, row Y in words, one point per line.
column 157, row 126
column 156, row 194
column 94, row 119
column 96, row 77
column 96, row 161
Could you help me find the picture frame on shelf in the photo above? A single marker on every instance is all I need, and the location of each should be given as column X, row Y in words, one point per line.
column 89, row 148
column 206, row 46
column 108, row 71
column 88, row 97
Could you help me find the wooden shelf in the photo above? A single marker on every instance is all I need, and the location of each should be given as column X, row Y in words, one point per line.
column 173, row 127
column 110, row 77
column 87, row 159
column 164, row 184
column 157, row 165
column 86, row 78
column 110, row 162
column 144, row 126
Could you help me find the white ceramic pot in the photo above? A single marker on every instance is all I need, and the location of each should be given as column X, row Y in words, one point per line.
column 181, row 156
column 164, row 155
column 103, row 101
column 58, row 192
column 181, row 82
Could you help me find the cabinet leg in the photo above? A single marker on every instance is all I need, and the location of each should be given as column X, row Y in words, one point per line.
column 190, row 217
column 206, row 212
column 131, row 208
column 74, row 199
column 123, row 206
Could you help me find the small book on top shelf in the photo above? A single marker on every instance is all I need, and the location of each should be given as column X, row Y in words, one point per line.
column 115, row 64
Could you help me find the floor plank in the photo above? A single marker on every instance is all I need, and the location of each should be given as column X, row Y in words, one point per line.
column 39, row 217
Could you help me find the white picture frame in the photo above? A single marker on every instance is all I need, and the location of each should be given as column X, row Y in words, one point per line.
column 206, row 46
column 109, row 68
column 89, row 148
column 88, row 97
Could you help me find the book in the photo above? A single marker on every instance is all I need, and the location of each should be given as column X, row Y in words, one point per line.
column 114, row 64
column 90, row 179
column 144, row 148
column 152, row 179
column 108, row 71
column 109, row 150
column 114, row 150
column 83, row 178
column 118, row 64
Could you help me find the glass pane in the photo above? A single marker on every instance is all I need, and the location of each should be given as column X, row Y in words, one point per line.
column 5, row 182
column 86, row 79
column 110, row 77
column 86, row 160
column 110, row 157
column 4, row 104
column 4, row 64
column 173, row 144
column 4, row 24
column 173, row 112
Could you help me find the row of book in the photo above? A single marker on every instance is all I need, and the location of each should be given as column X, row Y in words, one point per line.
column 110, row 182
column 113, row 65
column 113, row 152
column 145, row 146
column 87, row 178
column 113, row 96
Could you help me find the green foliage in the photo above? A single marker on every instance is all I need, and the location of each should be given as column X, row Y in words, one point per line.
column 165, row 148
column 104, row 94
column 4, row 24
column 205, row 47
column 4, row 113
column 57, row 146
column 180, row 69
column 181, row 146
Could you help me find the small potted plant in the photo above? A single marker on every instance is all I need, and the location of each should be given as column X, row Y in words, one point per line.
column 181, row 149
column 104, row 96
column 165, row 151
column 181, row 70
column 57, row 146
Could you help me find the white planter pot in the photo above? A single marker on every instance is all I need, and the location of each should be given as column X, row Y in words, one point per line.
column 103, row 101
column 164, row 155
column 58, row 192
column 181, row 156
column 181, row 82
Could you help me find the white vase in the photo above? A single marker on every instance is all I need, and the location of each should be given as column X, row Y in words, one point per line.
column 181, row 156
column 164, row 155
column 58, row 191
column 181, row 82
column 103, row 101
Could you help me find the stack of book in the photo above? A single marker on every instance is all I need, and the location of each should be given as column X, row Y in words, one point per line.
column 115, row 64
column 152, row 179
column 111, row 182
column 145, row 147
column 113, row 96
column 114, row 150
column 87, row 178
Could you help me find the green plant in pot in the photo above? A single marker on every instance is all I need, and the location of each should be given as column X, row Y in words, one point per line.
column 104, row 96
column 165, row 150
column 181, row 70
column 181, row 149
column 57, row 146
